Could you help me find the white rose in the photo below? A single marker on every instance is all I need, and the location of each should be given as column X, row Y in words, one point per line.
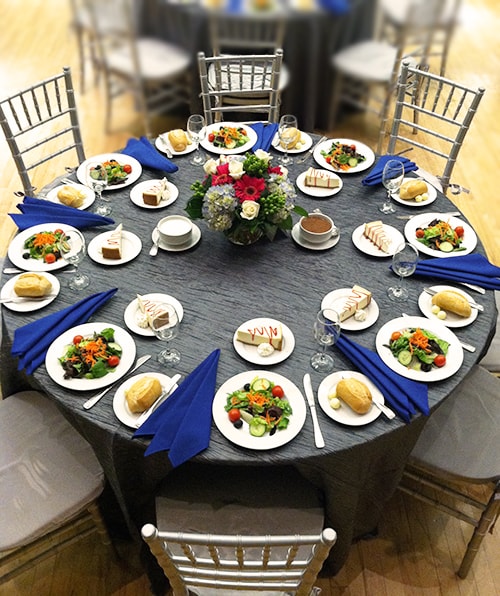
column 284, row 172
column 210, row 166
column 236, row 169
column 249, row 209
column 264, row 155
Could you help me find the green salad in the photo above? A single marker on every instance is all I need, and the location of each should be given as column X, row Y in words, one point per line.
column 418, row 349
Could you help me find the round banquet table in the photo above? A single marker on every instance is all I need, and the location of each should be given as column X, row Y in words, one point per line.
column 220, row 286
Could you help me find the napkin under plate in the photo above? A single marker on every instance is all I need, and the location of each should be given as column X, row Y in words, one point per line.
column 265, row 135
column 142, row 150
column 472, row 268
column 375, row 175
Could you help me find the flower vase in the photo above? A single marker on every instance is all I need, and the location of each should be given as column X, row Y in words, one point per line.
column 243, row 236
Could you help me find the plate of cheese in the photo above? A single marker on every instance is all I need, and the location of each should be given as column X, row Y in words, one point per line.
column 356, row 307
column 263, row 341
column 319, row 183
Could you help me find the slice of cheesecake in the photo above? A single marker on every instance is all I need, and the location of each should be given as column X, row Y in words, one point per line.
column 155, row 315
column 375, row 232
column 271, row 334
column 112, row 247
column 358, row 298
column 321, row 179
column 157, row 193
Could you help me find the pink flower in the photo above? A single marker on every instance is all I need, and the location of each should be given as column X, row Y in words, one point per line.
column 249, row 188
column 223, row 168
column 275, row 170
column 221, row 179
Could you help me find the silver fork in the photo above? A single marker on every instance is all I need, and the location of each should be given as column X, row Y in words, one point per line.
column 311, row 150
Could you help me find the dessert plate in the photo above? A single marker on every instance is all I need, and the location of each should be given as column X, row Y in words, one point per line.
column 305, row 143
column 344, row 414
column 195, row 238
column 250, row 133
column 315, row 191
column 360, row 148
column 131, row 247
column 336, row 300
column 26, row 304
column 133, row 311
column 250, row 353
column 431, row 191
column 138, row 189
column 452, row 320
column 162, row 143
column 242, row 436
column 368, row 247
column 121, row 158
column 87, row 201
column 313, row 245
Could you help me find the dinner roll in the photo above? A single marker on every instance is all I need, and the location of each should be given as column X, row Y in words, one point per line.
column 452, row 302
column 411, row 189
column 355, row 394
column 32, row 285
column 292, row 135
column 143, row 393
column 68, row 195
column 178, row 139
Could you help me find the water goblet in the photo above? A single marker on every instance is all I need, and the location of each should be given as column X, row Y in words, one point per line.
column 287, row 122
column 404, row 263
column 392, row 178
column 97, row 180
column 196, row 130
column 166, row 327
column 71, row 247
column 326, row 333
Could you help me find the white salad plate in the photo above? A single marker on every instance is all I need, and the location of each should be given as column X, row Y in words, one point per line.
column 250, row 353
column 138, row 189
column 131, row 247
column 241, row 436
column 58, row 347
column 336, row 300
column 27, row 304
column 193, row 241
column 424, row 219
column 365, row 245
column 361, row 148
column 315, row 191
column 431, row 191
column 250, row 133
column 132, row 312
column 120, row 406
column 454, row 358
column 344, row 414
column 162, row 143
column 87, row 201
column 452, row 320
column 121, row 158
column 305, row 143
column 16, row 248
column 330, row 243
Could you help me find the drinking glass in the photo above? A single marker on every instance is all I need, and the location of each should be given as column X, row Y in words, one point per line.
column 71, row 247
column 97, row 180
column 404, row 263
column 196, row 130
column 166, row 329
column 326, row 332
column 392, row 178
column 287, row 121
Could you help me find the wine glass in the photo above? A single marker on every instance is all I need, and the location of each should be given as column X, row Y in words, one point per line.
column 287, row 121
column 196, row 130
column 97, row 178
column 326, row 332
column 404, row 263
column 165, row 326
column 392, row 178
column 71, row 247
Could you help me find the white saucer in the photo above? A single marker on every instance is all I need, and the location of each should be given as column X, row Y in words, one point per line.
column 368, row 247
column 131, row 247
column 311, row 245
column 315, row 191
column 26, row 304
column 195, row 238
column 306, row 143
column 138, row 189
column 250, row 353
column 132, row 311
column 337, row 298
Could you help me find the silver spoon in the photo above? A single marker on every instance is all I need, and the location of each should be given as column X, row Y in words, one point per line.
column 153, row 251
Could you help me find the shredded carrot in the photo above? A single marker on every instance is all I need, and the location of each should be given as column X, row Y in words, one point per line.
column 93, row 350
column 419, row 340
column 44, row 239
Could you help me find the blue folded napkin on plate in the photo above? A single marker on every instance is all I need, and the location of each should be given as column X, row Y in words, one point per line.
column 182, row 423
column 32, row 341
column 39, row 211
column 335, row 6
column 402, row 395
column 473, row 269
column 375, row 175
column 265, row 135
column 142, row 150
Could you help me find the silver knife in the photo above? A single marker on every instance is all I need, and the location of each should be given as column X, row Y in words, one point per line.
column 318, row 437
column 475, row 305
column 383, row 408
column 168, row 390
column 311, row 150
column 165, row 146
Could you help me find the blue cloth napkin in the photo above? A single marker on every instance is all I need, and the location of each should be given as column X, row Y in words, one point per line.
column 402, row 395
column 375, row 175
column 32, row 341
column 182, row 423
column 473, row 269
column 148, row 156
column 265, row 135
column 335, row 6
column 39, row 211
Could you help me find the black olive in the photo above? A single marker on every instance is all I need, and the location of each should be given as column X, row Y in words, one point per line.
column 26, row 255
column 425, row 367
column 272, row 431
column 246, row 387
column 238, row 423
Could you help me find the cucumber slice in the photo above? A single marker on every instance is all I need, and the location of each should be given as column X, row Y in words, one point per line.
column 230, row 143
column 257, row 428
column 260, row 384
column 353, row 162
column 404, row 357
column 446, row 247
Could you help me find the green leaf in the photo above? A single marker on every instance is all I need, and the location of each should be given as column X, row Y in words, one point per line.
column 194, row 207
column 300, row 211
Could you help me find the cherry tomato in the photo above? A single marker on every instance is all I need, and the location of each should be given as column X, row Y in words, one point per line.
column 127, row 168
column 328, row 159
column 459, row 231
column 58, row 231
column 395, row 336
column 277, row 391
column 211, row 137
column 419, row 233
column 50, row 258
column 113, row 361
column 234, row 414
column 77, row 339
column 440, row 360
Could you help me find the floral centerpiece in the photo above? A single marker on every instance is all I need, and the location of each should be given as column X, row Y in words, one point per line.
column 245, row 197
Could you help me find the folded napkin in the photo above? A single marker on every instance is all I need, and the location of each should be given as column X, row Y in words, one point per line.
column 335, row 6
column 473, row 268
column 32, row 341
column 375, row 175
column 39, row 211
column 402, row 395
column 182, row 423
column 142, row 150
column 265, row 135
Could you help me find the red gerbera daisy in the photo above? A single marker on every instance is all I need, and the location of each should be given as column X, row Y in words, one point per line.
column 248, row 188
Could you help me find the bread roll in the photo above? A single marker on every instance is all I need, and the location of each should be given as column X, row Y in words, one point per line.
column 291, row 134
column 452, row 302
column 355, row 394
column 178, row 139
column 142, row 394
column 411, row 189
column 68, row 195
column 32, row 284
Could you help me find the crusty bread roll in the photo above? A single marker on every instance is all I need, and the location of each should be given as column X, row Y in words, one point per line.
column 68, row 195
column 143, row 393
column 291, row 134
column 178, row 139
column 411, row 189
column 32, row 284
column 355, row 394
column 452, row 302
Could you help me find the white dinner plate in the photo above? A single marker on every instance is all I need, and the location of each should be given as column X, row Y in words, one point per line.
column 241, row 436
column 138, row 189
column 250, row 353
column 452, row 320
column 336, row 300
column 121, row 158
column 58, row 347
column 16, row 248
column 87, row 201
column 305, row 143
column 27, row 304
column 120, row 406
column 133, row 311
column 431, row 191
column 368, row 247
column 330, row 243
column 131, row 247
column 162, row 142
column 315, row 191
column 193, row 241
column 454, row 358
column 250, row 133
column 344, row 414
column 361, row 148
column 424, row 219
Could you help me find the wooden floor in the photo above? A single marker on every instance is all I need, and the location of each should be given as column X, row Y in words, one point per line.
column 417, row 549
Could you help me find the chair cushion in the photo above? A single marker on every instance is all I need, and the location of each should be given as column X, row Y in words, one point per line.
column 369, row 60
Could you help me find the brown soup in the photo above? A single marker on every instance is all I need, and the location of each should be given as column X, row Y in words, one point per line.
column 316, row 224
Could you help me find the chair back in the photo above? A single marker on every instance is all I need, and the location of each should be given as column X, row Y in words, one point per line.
column 41, row 123
column 258, row 563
